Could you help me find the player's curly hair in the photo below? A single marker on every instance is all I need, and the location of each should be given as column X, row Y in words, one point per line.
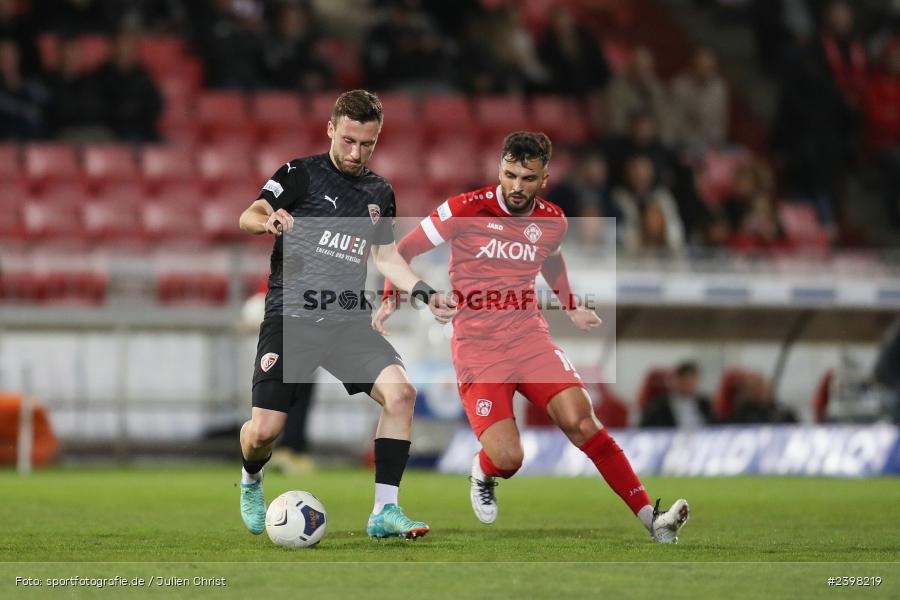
column 521, row 146
column 358, row 105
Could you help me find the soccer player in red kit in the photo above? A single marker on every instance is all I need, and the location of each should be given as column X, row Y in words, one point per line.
column 501, row 237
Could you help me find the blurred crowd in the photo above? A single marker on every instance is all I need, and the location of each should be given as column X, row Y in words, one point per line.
column 660, row 155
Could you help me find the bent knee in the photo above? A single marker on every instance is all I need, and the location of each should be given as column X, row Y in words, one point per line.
column 401, row 400
column 580, row 429
column 508, row 459
column 264, row 433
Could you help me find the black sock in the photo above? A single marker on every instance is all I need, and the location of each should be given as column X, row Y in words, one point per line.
column 390, row 460
column 255, row 466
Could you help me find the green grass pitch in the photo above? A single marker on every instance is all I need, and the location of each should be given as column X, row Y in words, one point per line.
column 748, row 537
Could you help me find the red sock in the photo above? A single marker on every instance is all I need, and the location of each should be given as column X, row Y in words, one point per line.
column 612, row 463
column 492, row 470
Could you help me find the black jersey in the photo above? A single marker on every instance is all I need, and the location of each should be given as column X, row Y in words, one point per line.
column 337, row 219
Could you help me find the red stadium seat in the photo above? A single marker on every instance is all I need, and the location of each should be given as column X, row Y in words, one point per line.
column 277, row 115
column 397, row 162
column 220, row 214
column 448, row 114
column 161, row 54
column 223, row 115
column 344, row 58
column 820, row 399
column 401, row 114
column 48, row 163
column 318, row 109
column 178, row 126
column 173, row 218
column 193, row 288
column 453, row 164
column 220, row 166
column 10, row 169
column 656, row 383
column 729, row 385
column 163, row 166
column 56, row 219
column 108, row 163
column 95, row 50
column 73, row 287
column 561, row 118
column 110, row 219
column 414, row 201
column 270, row 157
column 500, row 115
column 11, row 218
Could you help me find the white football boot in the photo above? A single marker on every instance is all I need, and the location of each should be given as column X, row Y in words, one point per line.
column 664, row 527
column 483, row 494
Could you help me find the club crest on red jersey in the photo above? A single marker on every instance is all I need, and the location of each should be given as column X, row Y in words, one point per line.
column 483, row 408
column 533, row 233
column 374, row 213
column 268, row 361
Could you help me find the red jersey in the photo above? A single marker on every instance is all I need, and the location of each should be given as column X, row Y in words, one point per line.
column 494, row 259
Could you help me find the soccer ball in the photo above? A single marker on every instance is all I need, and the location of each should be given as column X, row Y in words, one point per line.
column 296, row 520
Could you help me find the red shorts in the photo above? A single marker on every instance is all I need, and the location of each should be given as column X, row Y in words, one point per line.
column 487, row 386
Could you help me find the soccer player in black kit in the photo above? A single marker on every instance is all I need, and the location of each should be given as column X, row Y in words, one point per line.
column 327, row 212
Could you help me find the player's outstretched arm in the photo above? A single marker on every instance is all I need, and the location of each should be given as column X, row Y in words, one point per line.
column 261, row 218
column 394, row 267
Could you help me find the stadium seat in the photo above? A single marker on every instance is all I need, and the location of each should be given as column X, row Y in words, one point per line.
column 176, row 217
column 164, row 166
column 270, row 157
column 48, row 163
column 729, row 385
column 56, row 219
column 108, row 163
column 453, row 164
column 220, row 213
column 11, row 218
column 414, row 201
column 178, row 127
column 10, row 169
column 318, row 107
column 499, row 115
column 95, row 50
column 161, row 54
column 192, row 288
column 112, row 219
column 223, row 165
column 277, row 115
column 397, row 162
column 401, row 114
column 73, row 287
column 448, row 114
column 656, row 382
column 223, row 116
column 563, row 119
column 820, row 398
column 610, row 410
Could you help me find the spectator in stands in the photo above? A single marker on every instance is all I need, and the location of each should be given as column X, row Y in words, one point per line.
column 19, row 25
column 750, row 181
column 481, row 71
column 755, row 403
column 516, row 51
column 638, row 90
column 700, row 104
column 585, row 192
column 573, row 56
column 231, row 40
column 77, row 17
column 133, row 100
column 817, row 117
column 650, row 215
column 642, row 138
column 682, row 405
column 882, row 110
column 405, row 51
column 23, row 100
column 780, row 28
column 291, row 55
column 78, row 111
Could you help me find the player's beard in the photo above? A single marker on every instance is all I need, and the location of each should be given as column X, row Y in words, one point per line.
column 347, row 168
column 523, row 205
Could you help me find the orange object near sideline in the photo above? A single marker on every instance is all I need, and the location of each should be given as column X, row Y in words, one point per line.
column 44, row 445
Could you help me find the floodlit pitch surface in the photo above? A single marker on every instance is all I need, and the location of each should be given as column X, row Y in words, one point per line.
column 555, row 537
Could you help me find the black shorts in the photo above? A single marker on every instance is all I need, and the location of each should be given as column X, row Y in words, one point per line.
column 351, row 351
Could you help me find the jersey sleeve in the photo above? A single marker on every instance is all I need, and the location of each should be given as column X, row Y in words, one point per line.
column 287, row 186
column 384, row 229
column 442, row 224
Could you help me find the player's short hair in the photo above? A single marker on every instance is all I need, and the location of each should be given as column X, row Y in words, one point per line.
column 687, row 367
column 358, row 105
column 521, row 146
